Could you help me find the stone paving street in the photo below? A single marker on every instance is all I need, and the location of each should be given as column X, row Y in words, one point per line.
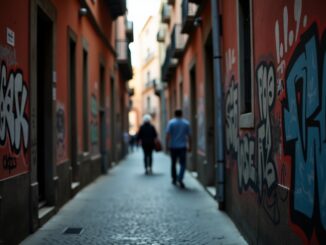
column 128, row 207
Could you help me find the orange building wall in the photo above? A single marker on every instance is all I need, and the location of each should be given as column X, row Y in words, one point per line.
column 14, row 90
column 68, row 17
column 275, row 171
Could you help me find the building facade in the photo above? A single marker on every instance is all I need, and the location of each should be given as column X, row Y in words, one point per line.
column 63, row 96
column 272, row 63
column 147, row 76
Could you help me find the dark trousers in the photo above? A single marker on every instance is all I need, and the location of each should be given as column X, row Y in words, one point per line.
column 148, row 158
column 178, row 154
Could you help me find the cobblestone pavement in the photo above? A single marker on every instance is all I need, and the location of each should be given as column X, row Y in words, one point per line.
column 128, row 207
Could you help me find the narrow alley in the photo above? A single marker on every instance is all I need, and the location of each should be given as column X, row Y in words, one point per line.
column 236, row 89
column 128, row 207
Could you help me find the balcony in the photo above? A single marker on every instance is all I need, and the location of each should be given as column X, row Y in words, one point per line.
column 116, row 7
column 131, row 92
column 158, row 88
column 150, row 83
column 160, row 37
column 124, row 59
column 130, row 30
column 171, row 2
column 178, row 41
column 189, row 11
column 166, row 14
column 169, row 66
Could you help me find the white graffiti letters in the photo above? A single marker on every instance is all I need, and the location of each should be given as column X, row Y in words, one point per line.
column 266, row 93
column 232, row 110
column 289, row 35
column 13, row 99
column 246, row 167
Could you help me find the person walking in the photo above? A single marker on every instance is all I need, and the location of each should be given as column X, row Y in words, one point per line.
column 178, row 140
column 146, row 136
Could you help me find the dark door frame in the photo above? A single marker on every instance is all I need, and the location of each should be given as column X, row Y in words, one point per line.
column 72, row 112
column 113, row 152
column 210, row 111
column 50, row 169
column 102, row 117
column 193, row 114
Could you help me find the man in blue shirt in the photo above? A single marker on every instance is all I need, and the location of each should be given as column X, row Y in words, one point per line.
column 178, row 140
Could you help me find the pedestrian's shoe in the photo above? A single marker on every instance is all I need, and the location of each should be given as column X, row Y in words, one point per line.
column 182, row 185
column 150, row 171
column 146, row 172
column 174, row 182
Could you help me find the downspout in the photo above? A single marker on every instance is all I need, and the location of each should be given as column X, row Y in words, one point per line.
column 218, row 100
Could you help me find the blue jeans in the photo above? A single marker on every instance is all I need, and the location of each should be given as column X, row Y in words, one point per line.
column 178, row 154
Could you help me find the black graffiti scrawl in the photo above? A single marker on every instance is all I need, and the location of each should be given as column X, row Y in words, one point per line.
column 13, row 120
column 304, row 122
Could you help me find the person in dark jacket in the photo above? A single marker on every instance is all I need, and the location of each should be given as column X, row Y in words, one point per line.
column 147, row 135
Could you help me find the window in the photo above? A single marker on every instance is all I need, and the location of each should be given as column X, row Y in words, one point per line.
column 245, row 64
column 148, row 77
column 148, row 104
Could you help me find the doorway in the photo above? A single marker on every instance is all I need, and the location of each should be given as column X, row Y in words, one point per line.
column 103, row 150
column 44, row 106
column 72, row 108
column 193, row 117
column 210, row 112
column 112, row 119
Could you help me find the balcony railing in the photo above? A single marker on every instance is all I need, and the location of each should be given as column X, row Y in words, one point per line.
column 178, row 41
column 150, row 83
column 166, row 13
column 124, row 59
column 158, row 88
column 169, row 65
column 130, row 30
column 189, row 11
column 117, row 7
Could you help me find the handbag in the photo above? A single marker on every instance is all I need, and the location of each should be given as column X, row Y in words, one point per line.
column 157, row 145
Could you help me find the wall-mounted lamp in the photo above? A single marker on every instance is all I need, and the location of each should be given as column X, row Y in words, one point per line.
column 83, row 11
column 198, row 21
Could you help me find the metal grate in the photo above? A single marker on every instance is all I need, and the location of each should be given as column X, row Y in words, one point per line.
column 73, row 230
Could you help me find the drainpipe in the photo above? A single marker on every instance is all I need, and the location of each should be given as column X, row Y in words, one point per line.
column 218, row 100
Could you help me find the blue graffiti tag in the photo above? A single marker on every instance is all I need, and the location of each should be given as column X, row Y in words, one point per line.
column 304, row 120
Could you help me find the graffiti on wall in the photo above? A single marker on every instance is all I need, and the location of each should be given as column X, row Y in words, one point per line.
column 266, row 86
column 186, row 107
column 304, row 118
column 61, row 132
column 201, row 127
column 14, row 124
column 9, row 163
column 289, row 36
column 231, row 119
column 13, row 99
column 229, row 60
column 260, row 175
column 8, row 55
column 284, row 158
column 94, row 120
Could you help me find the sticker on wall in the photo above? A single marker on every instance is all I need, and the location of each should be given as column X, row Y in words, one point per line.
column 10, row 37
